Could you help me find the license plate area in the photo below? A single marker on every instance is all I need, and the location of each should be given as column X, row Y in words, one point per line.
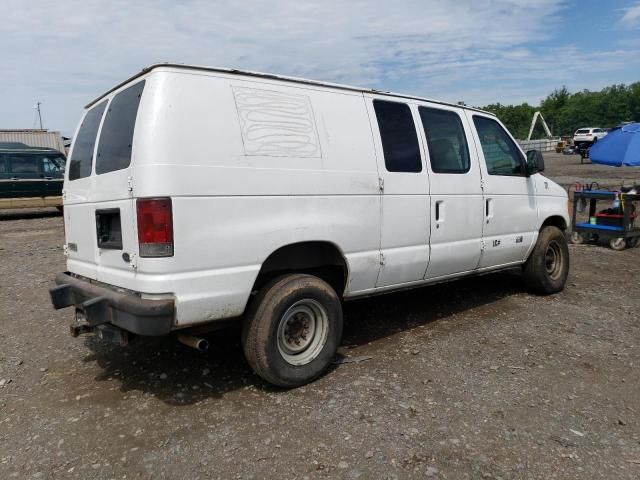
column 109, row 229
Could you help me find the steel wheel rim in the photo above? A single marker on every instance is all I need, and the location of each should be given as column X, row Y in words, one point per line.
column 303, row 331
column 553, row 260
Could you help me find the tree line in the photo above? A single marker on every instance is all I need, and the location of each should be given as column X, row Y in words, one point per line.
column 565, row 112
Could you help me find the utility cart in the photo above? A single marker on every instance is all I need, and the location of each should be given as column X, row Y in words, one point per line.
column 616, row 225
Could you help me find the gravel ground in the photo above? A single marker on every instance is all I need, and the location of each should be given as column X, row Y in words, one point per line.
column 473, row 379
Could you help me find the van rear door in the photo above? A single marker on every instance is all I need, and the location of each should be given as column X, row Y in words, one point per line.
column 99, row 208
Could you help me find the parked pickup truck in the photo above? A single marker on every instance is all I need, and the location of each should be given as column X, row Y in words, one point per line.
column 198, row 196
column 30, row 176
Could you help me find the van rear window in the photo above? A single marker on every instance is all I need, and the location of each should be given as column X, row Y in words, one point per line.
column 116, row 137
column 82, row 156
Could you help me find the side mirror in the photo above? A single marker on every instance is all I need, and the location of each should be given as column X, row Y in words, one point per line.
column 535, row 162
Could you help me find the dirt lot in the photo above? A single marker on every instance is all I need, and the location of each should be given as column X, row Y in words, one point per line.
column 474, row 379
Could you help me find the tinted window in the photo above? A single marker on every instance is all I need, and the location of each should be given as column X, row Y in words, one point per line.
column 3, row 168
column 82, row 157
column 399, row 137
column 52, row 165
column 116, row 137
column 501, row 154
column 448, row 151
column 26, row 164
column 582, row 131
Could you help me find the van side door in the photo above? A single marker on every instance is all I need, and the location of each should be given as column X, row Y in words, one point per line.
column 456, row 193
column 510, row 210
column 25, row 177
column 52, row 171
column 404, row 186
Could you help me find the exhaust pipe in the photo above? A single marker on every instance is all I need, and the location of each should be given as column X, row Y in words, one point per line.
column 200, row 344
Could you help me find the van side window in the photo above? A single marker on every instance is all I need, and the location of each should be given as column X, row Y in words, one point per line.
column 52, row 165
column 3, row 163
column 501, row 154
column 116, row 137
column 81, row 160
column 448, row 150
column 399, row 137
column 26, row 164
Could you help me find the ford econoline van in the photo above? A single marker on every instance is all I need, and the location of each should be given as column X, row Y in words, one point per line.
column 198, row 196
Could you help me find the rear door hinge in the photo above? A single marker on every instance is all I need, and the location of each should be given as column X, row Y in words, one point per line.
column 65, row 250
column 482, row 184
column 381, row 184
column 381, row 258
column 482, row 245
column 130, row 184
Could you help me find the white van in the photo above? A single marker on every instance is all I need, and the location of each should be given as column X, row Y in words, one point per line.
column 198, row 195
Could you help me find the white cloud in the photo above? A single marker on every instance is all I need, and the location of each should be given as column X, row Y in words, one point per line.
column 631, row 18
column 67, row 52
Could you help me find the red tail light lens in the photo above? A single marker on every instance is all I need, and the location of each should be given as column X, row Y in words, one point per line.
column 155, row 227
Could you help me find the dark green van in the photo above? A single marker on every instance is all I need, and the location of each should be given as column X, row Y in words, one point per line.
column 30, row 176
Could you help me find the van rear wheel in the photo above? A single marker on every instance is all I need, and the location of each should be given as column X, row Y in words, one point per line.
column 292, row 330
column 547, row 268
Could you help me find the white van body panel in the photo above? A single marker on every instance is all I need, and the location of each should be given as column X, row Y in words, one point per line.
column 404, row 246
column 255, row 163
column 456, row 198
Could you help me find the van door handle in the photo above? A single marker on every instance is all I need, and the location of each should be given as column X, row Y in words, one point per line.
column 48, row 178
column 488, row 208
column 439, row 210
column 14, row 178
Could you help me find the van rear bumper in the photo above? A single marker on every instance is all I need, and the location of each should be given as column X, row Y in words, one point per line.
column 101, row 305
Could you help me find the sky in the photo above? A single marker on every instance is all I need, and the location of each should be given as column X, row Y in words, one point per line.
column 64, row 53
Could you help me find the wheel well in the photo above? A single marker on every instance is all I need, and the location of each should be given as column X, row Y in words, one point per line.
column 322, row 259
column 555, row 221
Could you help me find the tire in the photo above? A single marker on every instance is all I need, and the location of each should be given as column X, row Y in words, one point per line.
column 633, row 242
column 618, row 243
column 547, row 268
column 577, row 238
column 274, row 328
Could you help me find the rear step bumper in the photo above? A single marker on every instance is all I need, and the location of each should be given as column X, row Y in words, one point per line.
column 102, row 305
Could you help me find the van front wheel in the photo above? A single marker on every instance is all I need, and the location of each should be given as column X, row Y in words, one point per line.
column 547, row 268
column 292, row 330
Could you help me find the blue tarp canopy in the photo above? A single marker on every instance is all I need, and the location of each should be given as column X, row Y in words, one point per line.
column 619, row 148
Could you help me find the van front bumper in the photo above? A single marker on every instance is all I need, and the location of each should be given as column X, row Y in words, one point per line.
column 101, row 305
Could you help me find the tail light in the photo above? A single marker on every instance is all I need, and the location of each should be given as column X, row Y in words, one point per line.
column 155, row 227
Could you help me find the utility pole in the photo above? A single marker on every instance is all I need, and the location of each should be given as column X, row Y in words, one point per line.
column 39, row 114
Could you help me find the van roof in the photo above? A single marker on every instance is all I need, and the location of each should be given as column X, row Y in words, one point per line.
column 18, row 147
column 284, row 78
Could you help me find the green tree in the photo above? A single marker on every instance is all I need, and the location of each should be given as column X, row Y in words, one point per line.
column 565, row 112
